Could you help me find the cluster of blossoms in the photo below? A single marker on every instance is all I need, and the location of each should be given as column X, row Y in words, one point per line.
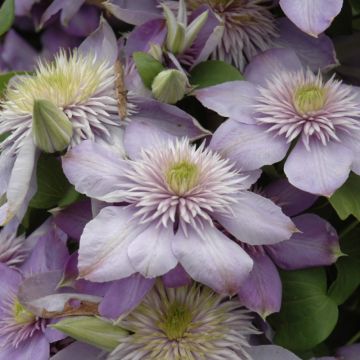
column 156, row 187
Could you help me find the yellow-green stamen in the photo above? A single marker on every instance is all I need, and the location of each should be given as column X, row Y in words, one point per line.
column 182, row 177
column 21, row 314
column 309, row 98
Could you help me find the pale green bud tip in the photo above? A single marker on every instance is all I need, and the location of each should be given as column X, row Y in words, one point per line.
column 51, row 128
column 176, row 321
column 21, row 314
column 169, row 86
column 92, row 330
column 309, row 98
column 182, row 177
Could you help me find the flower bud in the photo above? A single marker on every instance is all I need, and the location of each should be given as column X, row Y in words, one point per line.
column 51, row 128
column 92, row 330
column 169, row 86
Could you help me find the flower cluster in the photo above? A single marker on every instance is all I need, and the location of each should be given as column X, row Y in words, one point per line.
column 176, row 192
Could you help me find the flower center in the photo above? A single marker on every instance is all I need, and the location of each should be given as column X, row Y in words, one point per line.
column 21, row 314
column 182, row 176
column 309, row 98
column 176, row 322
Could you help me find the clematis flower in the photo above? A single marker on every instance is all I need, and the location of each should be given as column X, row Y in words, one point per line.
column 283, row 104
column 24, row 334
column 250, row 28
column 171, row 194
column 317, row 244
column 311, row 16
column 189, row 321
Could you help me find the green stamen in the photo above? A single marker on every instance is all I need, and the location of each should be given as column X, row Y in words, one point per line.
column 310, row 98
column 182, row 177
column 176, row 322
column 21, row 314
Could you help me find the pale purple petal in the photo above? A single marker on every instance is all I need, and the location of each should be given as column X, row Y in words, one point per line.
column 104, row 244
column 124, row 295
column 17, row 53
column 256, row 220
column 102, row 42
column 37, row 347
column 235, row 99
column 80, row 351
column 85, row 21
column 249, row 146
column 23, row 7
column 291, row 200
column 6, row 164
column 349, row 352
column 52, row 335
column 73, row 218
column 211, row 258
column 176, row 277
column 322, row 170
column 316, row 245
column 95, row 170
column 312, row 17
column 271, row 352
column 134, row 144
column 263, row 66
column 352, row 141
column 9, row 279
column 68, row 9
column 315, row 53
column 261, row 291
column 135, row 12
column 143, row 36
column 150, row 253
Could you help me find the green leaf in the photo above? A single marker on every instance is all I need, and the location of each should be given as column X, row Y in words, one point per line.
column 348, row 268
column 53, row 187
column 7, row 15
column 307, row 315
column 147, row 66
column 346, row 200
column 92, row 330
column 213, row 72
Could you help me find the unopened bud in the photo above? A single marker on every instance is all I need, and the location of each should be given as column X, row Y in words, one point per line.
column 51, row 128
column 92, row 330
column 169, row 86
column 156, row 52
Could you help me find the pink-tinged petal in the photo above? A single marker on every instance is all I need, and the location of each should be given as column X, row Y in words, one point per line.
column 170, row 119
column 68, row 9
column 315, row 53
column 50, row 251
column 22, row 183
column 263, row 66
column 261, row 291
column 316, row 245
column 135, row 12
column 271, row 352
column 80, row 351
column 211, row 258
column 143, row 36
column 124, row 295
column 349, row 352
column 176, row 277
column 150, row 253
column 102, row 42
column 10, row 279
column 16, row 59
column 73, row 219
column 37, row 347
column 256, row 220
column 103, row 253
column 291, row 200
column 312, row 17
column 321, row 170
column 235, row 99
column 95, row 170
column 134, row 144
column 249, row 146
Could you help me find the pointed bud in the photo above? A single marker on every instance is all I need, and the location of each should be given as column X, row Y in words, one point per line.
column 194, row 28
column 169, row 86
column 156, row 52
column 92, row 330
column 52, row 130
